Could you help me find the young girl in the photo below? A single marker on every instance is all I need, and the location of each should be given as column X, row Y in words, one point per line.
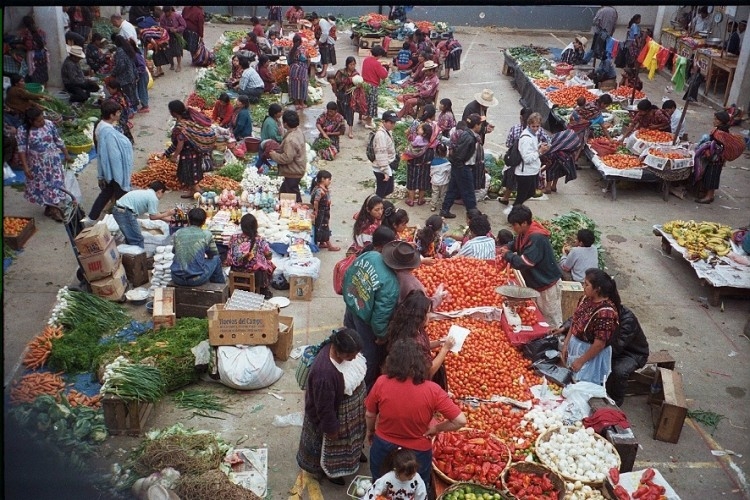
column 446, row 119
column 396, row 219
column 249, row 252
column 429, row 239
column 440, row 176
column 401, row 482
column 320, row 199
column 366, row 221
column 222, row 112
column 417, row 177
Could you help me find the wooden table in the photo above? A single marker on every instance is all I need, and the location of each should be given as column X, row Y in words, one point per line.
column 728, row 64
column 669, row 38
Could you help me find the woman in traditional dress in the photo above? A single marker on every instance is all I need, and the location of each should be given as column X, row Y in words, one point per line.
column 559, row 160
column 37, row 55
column 331, row 125
column 298, row 73
column 343, row 87
column 190, row 141
column 115, row 92
column 175, row 25
column 39, row 147
column 249, row 252
column 333, row 430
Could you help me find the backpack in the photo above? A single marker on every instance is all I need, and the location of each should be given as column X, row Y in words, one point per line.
column 339, row 270
column 513, row 157
column 370, row 151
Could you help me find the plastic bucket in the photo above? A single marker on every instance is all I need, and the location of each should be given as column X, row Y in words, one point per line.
column 35, row 88
column 252, row 144
column 63, row 96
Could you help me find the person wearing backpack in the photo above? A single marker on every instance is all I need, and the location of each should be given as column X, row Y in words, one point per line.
column 381, row 151
column 712, row 154
column 531, row 151
column 462, row 158
column 511, row 158
column 191, row 146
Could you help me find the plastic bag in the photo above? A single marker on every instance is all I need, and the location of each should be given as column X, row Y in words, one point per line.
column 303, row 267
column 247, row 367
column 8, row 172
column 536, row 349
column 202, row 353
column 558, row 374
column 72, row 186
column 577, row 398
column 292, row 419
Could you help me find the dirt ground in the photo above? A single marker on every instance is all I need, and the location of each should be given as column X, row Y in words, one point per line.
column 663, row 290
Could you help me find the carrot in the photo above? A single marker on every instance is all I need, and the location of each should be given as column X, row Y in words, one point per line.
column 76, row 398
column 39, row 348
column 32, row 385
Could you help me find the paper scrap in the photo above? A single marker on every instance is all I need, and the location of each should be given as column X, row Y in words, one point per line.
column 459, row 334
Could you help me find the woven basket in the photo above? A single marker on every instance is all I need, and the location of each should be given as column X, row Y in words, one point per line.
column 563, row 69
column 475, row 487
column 545, row 436
column 449, row 480
column 76, row 150
column 670, row 175
column 538, row 469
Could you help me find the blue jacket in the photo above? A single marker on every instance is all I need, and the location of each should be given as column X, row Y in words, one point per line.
column 371, row 291
column 244, row 125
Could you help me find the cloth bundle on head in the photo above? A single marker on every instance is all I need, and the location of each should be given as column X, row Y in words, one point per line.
column 606, row 417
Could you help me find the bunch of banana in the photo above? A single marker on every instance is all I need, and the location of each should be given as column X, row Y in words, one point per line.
column 698, row 238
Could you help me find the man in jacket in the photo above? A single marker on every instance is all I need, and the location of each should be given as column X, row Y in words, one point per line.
column 629, row 353
column 371, row 292
column 386, row 159
column 462, row 158
column 531, row 253
column 196, row 257
column 292, row 158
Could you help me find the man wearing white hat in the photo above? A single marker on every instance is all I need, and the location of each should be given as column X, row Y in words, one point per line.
column 575, row 53
column 78, row 86
column 482, row 102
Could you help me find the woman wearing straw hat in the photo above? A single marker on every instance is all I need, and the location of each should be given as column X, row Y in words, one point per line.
column 575, row 53
column 78, row 86
column 482, row 102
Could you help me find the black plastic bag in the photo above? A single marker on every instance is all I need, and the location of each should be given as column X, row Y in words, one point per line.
column 536, row 349
column 558, row 374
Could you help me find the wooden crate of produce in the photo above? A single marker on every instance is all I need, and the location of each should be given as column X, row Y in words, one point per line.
column 125, row 417
column 668, row 405
column 16, row 241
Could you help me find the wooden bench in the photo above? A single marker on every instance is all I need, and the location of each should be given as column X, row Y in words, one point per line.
column 640, row 381
column 622, row 439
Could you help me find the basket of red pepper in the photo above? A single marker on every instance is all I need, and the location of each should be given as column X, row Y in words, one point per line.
column 470, row 455
column 529, row 480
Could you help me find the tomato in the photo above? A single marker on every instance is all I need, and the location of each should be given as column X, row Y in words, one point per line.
column 482, row 460
column 621, row 161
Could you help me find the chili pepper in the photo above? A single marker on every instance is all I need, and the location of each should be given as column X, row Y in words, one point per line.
column 621, row 493
column 641, row 491
column 648, row 474
column 614, row 475
column 477, row 441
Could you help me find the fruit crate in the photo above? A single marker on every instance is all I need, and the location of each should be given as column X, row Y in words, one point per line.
column 125, row 417
column 17, row 242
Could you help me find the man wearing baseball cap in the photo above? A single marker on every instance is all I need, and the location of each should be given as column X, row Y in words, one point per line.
column 386, row 159
column 78, row 86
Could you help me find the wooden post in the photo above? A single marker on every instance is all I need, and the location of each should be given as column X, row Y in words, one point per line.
column 682, row 119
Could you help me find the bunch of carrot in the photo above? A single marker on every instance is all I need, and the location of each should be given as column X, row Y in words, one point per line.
column 218, row 183
column 157, row 169
column 35, row 384
column 40, row 347
column 76, row 398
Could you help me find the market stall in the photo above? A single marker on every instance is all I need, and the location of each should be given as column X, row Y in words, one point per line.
column 715, row 258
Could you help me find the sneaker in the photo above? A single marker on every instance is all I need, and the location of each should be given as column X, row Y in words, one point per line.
column 88, row 222
column 447, row 215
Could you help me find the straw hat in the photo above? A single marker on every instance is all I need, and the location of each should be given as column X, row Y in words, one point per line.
column 76, row 51
column 486, row 98
column 582, row 40
column 400, row 255
column 430, row 65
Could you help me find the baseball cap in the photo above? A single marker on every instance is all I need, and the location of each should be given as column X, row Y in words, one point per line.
column 390, row 116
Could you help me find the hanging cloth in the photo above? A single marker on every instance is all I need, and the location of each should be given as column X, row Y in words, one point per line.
column 680, row 73
column 644, row 51
column 662, row 57
column 649, row 62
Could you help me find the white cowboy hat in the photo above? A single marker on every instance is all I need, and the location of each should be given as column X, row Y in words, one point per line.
column 486, row 98
column 76, row 51
column 582, row 40
column 430, row 65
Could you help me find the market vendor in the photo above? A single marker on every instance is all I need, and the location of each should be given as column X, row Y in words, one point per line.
column 605, row 72
column 589, row 330
column 78, row 86
column 292, row 159
column 648, row 117
column 18, row 99
column 575, row 52
column 196, row 258
column 251, row 84
column 249, row 252
column 480, row 245
column 137, row 202
column 98, row 59
column 426, row 91
column 629, row 353
column 669, row 108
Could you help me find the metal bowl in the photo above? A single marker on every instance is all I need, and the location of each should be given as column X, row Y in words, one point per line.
column 713, row 41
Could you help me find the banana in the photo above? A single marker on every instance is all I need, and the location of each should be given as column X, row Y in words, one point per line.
column 722, row 252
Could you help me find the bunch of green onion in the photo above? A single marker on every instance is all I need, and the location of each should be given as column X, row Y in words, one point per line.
column 133, row 382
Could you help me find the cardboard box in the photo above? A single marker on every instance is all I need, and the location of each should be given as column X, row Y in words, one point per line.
column 93, row 240
column 668, row 405
column 283, row 346
column 100, row 265
column 570, row 293
column 242, row 327
column 112, row 287
column 136, row 268
column 163, row 313
column 300, row 288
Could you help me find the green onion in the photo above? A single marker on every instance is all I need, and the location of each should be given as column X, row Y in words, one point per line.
column 201, row 402
column 133, row 382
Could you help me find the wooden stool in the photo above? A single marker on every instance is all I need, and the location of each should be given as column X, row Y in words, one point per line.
column 241, row 281
column 639, row 382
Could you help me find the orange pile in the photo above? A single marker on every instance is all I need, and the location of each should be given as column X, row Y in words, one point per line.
column 622, row 161
column 625, row 91
column 672, row 155
column 653, row 136
column 13, row 226
column 544, row 83
column 568, row 96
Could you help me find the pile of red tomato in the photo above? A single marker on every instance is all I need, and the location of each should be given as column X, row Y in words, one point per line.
column 471, row 455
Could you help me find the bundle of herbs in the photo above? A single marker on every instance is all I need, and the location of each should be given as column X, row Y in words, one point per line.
column 234, row 171
column 168, row 349
column 201, row 402
column 563, row 231
column 132, row 381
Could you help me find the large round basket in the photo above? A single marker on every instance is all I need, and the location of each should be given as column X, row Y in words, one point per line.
column 563, row 69
column 456, row 487
column 546, row 435
column 670, row 175
column 473, row 433
column 539, row 470
column 76, row 150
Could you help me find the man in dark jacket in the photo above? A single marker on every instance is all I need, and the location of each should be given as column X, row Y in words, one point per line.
column 462, row 158
column 531, row 253
column 629, row 353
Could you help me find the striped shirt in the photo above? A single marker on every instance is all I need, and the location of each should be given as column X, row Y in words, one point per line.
column 480, row 247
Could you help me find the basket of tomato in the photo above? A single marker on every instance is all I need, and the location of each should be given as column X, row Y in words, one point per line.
column 470, row 455
column 17, row 231
column 525, row 480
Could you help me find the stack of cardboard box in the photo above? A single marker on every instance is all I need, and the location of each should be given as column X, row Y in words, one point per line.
column 101, row 262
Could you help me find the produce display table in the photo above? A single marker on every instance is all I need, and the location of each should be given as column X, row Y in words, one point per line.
column 724, row 64
column 531, row 95
column 612, row 175
column 721, row 274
